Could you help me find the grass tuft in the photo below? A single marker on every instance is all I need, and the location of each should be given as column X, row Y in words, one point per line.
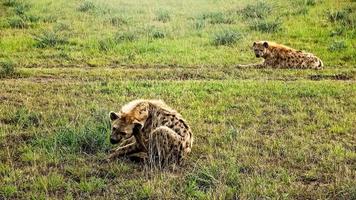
column 163, row 16
column 91, row 185
column 266, row 26
column 118, row 21
column 25, row 118
column 199, row 24
column 343, row 17
column 61, row 26
column 337, row 31
column 259, row 10
column 10, row 3
column 90, row 138
column 49, row 183
column 217, row 18
column 20, row 9
column 50, row 19
column 86, row 6
column 7, row 69
column 337, row 46
column 226, row 37
column 8, row 191
column 203, row 179
column 106, row 44
column 310, row 2
column 128, row 36
column 17, row 22
column 157, row 33
column 49, row 39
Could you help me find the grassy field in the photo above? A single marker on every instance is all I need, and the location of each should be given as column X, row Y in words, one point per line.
column 259, row 133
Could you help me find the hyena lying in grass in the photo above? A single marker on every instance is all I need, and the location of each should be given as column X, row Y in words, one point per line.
column 151, row 130
column 280, row 56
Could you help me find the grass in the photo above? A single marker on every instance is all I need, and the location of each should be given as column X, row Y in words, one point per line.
column 86, row 6
column 259, row 10
column 163, row 16
column 265, row 26
column 259, row 133
column 7, row 69
column 226, row 37
column 49, row 39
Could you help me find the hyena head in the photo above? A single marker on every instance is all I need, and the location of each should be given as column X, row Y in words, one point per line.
column 123, row 123
column 260, row 48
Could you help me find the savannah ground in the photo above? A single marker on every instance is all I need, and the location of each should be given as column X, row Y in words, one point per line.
column 259, row 133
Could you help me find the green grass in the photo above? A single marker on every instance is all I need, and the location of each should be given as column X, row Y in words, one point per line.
column 259, row 133
column 305, row 25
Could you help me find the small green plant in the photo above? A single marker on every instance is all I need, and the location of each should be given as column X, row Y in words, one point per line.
column 163, row 16
column 337, row 46
column 17, row 22
column 86, row 6
column 91, row 185
column 337, row 32
column 61, row 26
column 345, row 17
column 199, row 24
column 51, row 182
column 7, row 190
column 156, row 34
column 10, row 3
column 20, row 9
column 259, row 10
column 31, row 18
column 25, row 118
column 266, row 26
column 7, row 69
column 49, row 19
column 310, row 2
column 49, row 39
column 118, row 21
column 126, row 36
column 226, row 37
column 204, row 179
column 216, row 18
column 106, row 44
column 337, row 15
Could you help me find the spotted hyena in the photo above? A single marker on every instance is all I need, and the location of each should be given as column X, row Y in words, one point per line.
column 280, row 56
column 151, row 129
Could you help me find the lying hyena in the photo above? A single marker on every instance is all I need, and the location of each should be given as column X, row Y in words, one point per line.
column 149, row 128
column 280, row 56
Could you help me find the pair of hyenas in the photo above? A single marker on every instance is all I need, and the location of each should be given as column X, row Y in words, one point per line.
column 151, row 130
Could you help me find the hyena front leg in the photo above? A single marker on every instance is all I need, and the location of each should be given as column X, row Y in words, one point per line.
column 164, row 146
column 124, row 150
column 125, row 142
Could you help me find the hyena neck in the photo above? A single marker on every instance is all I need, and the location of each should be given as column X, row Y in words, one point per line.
column 151, row 121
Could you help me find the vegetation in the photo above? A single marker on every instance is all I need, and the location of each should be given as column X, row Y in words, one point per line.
column 259, row 133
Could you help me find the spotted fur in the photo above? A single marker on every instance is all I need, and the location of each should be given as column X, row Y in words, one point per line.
column 280, row 56
column 151, row 127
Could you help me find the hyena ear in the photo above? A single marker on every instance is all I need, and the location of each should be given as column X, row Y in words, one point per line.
column 254, row 44
column 265, row 44
column 114, row 116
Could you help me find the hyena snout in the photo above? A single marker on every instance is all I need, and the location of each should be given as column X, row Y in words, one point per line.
column 114, row 140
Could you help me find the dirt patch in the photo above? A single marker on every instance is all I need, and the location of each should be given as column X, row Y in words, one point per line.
column 343, row 77
column 13, row 140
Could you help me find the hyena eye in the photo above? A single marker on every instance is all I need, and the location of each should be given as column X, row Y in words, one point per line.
column 114, row 129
